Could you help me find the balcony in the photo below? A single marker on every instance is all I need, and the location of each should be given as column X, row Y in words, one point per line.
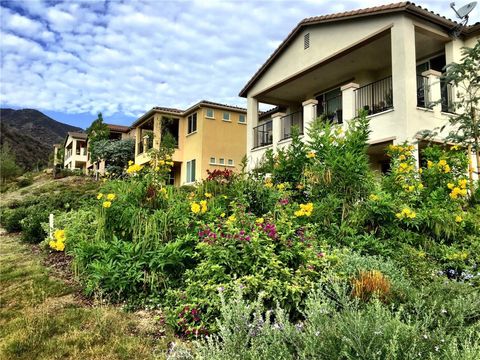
column 262, row 135
column 375, row 97
column 289, row 121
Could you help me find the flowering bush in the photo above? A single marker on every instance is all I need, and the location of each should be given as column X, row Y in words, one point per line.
column 58, row 243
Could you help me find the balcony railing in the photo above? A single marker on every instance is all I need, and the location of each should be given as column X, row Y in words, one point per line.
column 447, row 98
column 289, row 121
column 262, row 135
column 423, row 92
column 375, row 97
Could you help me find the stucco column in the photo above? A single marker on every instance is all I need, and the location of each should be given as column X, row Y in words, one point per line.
column 453, row 51
column 434, row 90
column 404, row 75
column 277, row 128
column 252, row 121
column 145, row 143
column 138, row 138
column 309, row 116
column 348, row 101
column 157, row 131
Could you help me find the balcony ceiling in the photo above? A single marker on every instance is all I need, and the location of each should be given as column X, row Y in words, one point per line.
column 372, row 60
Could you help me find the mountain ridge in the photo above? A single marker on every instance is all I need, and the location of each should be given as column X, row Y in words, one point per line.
column 31, row 135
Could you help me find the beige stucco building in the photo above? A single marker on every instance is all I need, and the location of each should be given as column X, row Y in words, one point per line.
column 75, row 156
column 387, row 60
column 208, row 136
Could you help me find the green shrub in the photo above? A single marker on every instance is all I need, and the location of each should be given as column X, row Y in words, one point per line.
column 11, row 218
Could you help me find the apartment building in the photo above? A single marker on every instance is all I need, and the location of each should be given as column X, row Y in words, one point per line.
column 208, row 136
column 75, row 146
column 387, row 60
column 116, row 132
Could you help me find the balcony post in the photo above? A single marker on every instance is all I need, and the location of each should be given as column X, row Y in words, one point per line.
column 309, row 115
column 138, row 138
column 252, row 122
column 157, row 131
column 404, row 77
column 276, row 129
column 145, row 143
column 348, row 101
column 434, row 90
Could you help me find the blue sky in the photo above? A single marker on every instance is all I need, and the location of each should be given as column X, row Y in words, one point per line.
column 73, row 59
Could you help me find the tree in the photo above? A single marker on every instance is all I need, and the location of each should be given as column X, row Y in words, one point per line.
column 465, row 77
column 116, row 153
column 8, row 167
column 98, row 130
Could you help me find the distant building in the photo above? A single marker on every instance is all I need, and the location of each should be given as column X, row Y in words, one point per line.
column 75, row 146
column 208, row 136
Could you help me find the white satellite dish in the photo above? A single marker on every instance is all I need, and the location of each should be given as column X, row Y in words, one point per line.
column 463, row 12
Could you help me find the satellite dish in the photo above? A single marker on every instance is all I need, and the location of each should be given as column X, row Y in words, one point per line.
column 462, row 14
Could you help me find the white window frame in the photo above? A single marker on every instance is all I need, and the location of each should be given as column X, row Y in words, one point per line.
column 229, row 116
column 206, row 113
column 230, row 162
column 194, row 115
column 191, row 170
column 244, row 119
column 214, row 160
column 221, row 161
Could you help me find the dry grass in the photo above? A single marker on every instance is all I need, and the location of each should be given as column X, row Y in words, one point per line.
column 41, row 318
column 370, row 284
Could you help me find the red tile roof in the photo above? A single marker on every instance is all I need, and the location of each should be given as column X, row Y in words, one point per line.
column 118, row 128
column 406, row 6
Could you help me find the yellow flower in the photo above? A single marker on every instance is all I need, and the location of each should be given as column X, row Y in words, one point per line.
column 208, row 195
column 420, row 170
column 463, row 183
column 195, row 207
column 163, row 190
column 260, row 221
column 268, row 184
column 107, row 204
column 429, row 164
column 59, row 235
column 231, row 219
column 411, row 188
column 442, row 162
column 134, row 168
column 406, row 213
column 450, row 186
column 311, row 155
column 420, row 186
column 222, row 215
column 463, row 192
column 203, row 205
column 300, row 186
column 281, row 186
column 401, row 157
column 458, row 219
column 446, row 168
column 374, row 197
column 305, row 210
column 455, row 147
column 99, row 196
column 111, row 197
column 130, row 162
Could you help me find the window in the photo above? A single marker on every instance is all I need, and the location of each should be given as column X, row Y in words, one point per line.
column 330, row 105
column 226, row 116
column 230, row 162
column 192, row 123
column 212, row 160
column 241, row 119
column 191, row 171
column 209, row 113
column 222, row 161
column 306, row 41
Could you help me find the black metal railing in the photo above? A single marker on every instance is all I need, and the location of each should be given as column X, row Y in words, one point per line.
column 289, row 121
column 423, row 92
column 375, row 97
column 262, row 134
column 447, row 97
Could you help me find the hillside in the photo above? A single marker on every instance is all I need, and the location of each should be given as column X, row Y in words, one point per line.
column 31, row 135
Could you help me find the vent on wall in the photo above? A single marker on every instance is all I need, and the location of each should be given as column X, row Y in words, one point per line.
column 306, row 41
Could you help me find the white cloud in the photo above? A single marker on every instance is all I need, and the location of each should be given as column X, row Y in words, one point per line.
column 125, row 57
